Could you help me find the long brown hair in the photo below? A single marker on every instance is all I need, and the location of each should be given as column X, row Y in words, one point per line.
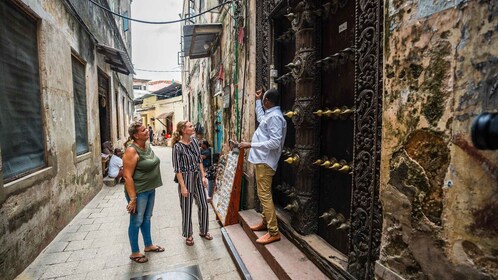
column 177, row 135
column 132, row 130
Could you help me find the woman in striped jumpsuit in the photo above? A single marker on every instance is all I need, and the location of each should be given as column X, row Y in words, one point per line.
column 187, row 163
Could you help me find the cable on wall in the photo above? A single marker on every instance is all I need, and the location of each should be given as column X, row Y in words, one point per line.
column 160, row 22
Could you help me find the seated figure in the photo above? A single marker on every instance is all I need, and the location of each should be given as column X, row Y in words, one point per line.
column 116, row 165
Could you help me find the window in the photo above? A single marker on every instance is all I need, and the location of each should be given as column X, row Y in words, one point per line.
column 21, row 125
column 137, row 87
column 126, row 22
column 80, row 118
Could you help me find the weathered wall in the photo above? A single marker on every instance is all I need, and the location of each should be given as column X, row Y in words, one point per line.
column 438, row 192
column 34, row 208
column 238, row 63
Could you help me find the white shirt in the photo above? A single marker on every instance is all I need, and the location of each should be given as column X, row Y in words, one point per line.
column 268, row 140
column 114, row 165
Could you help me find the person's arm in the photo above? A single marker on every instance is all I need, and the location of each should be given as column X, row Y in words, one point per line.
column 276, row 125
column 176, row 167
column 203, row 174
column 259, row 105
column 204, row 154
column 259, row 110
column 130, row 159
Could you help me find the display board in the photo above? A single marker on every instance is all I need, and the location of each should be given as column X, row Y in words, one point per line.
column 226, row 197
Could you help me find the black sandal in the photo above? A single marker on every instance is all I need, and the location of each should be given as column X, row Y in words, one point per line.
column 158, row 249
column 189, row 241
column 139, row 259
column 206, row 236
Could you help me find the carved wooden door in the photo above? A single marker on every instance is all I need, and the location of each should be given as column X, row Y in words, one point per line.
column 336, row 124
column 328, row 54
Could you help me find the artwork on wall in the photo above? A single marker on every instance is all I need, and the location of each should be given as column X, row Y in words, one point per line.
column 226, row 197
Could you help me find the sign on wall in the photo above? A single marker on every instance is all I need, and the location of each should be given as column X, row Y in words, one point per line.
column 226, row 97
column 226, row 197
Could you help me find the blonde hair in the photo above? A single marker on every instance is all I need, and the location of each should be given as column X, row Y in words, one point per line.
column 132, row 130
column 177, row 135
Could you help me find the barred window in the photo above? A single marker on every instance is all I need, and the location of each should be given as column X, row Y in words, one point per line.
column 21, row 125
column 80, row 118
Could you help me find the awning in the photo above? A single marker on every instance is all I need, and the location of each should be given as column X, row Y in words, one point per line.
column 145, row 109
column 164, row 115
column 197, row 38
column 118, row 59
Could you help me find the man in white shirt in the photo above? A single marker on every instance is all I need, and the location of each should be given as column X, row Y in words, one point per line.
column 266, row 147
column 116, row 165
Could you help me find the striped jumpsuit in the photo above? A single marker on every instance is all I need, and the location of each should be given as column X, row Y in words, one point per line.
column 187, row 160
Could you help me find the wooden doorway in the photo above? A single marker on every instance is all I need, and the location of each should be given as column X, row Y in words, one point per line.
column 104, row 107
column 330, row 79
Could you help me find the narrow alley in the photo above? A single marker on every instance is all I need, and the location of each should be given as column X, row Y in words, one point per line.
column 94, row 245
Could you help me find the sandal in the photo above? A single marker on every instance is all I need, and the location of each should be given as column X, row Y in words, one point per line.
column 206, row 236
column 189, row 241
column 158, row 249
column 139, row 259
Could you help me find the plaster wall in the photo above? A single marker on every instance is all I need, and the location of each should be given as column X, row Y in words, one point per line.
column 238, row 77
column 34, row 208
column 438, row 192
column 171, row 105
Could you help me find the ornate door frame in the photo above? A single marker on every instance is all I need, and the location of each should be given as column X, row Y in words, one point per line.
column 366, row 212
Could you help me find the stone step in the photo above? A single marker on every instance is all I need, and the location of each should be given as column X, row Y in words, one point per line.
column 284, row 258
column 245, row 255
column 110, row 182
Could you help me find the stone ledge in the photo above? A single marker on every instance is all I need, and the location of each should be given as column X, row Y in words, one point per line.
column 384, row 273
column 110, row 182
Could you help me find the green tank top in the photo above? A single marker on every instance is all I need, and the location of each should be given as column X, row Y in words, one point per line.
column 147, row 175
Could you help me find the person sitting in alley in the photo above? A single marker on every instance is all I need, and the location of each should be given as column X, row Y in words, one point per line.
column 189, row 171
column 107, row 148
column 142, row 176
column 206, row 162
column 116, row 165
column 266, row 147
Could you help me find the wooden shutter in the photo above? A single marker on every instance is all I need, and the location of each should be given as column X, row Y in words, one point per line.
column 80, row 119
column 21, row 126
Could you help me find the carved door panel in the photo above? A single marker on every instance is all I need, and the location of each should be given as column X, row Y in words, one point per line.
column 336, row 125
column 285, row 50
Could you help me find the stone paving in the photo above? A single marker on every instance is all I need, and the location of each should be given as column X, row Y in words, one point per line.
column 95, row 244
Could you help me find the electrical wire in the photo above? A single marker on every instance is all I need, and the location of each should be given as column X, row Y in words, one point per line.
column 161, row 71
column 160, row 22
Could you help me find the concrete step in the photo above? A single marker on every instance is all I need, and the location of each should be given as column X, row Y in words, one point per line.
column 110, row 182
column 284, row 258
column 253, row 265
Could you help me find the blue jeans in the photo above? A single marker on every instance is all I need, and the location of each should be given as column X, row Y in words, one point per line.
column 141, row 219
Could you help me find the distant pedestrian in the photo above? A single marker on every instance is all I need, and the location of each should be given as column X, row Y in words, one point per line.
column 187, row 164
column 116, row 165
column 142, row 177
column 151, row 134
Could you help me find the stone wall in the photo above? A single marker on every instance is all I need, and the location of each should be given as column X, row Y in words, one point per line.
column 439, row 193
column 34, row 208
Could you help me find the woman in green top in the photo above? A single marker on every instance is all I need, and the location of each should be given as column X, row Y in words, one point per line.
column 142, row 177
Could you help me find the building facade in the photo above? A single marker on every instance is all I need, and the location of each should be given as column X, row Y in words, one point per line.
column 161, row 110
column 66, row 87
column 380, row 98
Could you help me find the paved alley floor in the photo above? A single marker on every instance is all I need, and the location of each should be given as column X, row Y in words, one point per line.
column 95, row 243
